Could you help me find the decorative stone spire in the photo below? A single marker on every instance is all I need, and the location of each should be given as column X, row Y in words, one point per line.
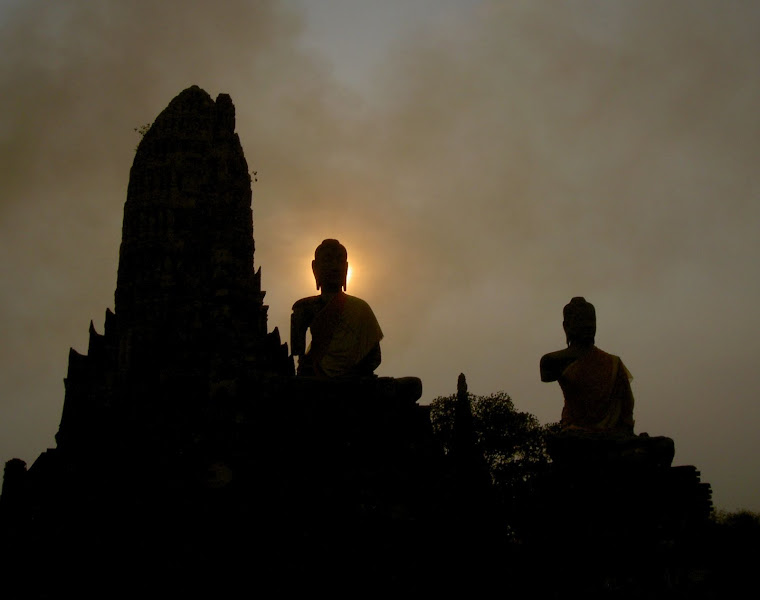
column 189, row 321
column 186, row 262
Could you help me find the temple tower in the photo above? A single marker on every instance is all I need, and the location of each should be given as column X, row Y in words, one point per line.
column 186, row 257
column 189, row 314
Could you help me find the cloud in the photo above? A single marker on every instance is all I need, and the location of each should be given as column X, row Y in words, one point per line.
column 508, row 156
column 77, row 80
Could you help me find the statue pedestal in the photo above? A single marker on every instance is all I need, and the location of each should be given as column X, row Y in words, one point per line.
column 584, row 450
column 613, row 510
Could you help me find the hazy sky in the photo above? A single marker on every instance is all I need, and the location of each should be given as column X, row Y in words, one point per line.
column 482, row 161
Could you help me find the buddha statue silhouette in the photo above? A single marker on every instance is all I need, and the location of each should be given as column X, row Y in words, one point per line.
column 595, row 384
column 345, row 335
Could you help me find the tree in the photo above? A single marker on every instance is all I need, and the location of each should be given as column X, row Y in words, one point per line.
column 512, row 443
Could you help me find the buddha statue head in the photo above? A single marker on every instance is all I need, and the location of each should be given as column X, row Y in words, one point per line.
column 330, row 266
column 579, row 322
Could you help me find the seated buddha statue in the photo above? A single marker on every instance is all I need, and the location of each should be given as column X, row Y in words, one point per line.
column 345, row 335
column 595, row 384
column 596, row 430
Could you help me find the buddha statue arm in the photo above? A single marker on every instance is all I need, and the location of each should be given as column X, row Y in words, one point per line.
column 369, row 363
column 300, row 320
column 553, row 364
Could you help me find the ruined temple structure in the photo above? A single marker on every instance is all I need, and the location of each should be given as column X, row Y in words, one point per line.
column 190, row 461
column 614, row 517
column 190, row 325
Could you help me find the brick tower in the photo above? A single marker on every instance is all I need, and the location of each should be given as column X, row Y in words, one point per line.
column 189, row 323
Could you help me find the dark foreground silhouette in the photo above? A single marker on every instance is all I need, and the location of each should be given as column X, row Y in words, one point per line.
column 191, row 461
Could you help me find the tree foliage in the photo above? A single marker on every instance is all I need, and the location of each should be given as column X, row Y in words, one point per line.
column 143, row 129
column 512, row 443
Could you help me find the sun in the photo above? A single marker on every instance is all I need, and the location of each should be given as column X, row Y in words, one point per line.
column 348, row 275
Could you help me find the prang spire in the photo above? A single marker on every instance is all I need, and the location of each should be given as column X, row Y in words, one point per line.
column 186, row 255
column 189, row 316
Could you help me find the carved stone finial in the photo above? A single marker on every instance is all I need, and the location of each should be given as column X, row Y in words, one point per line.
column 461, row 385
column 225, row 115
column 464, row 437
